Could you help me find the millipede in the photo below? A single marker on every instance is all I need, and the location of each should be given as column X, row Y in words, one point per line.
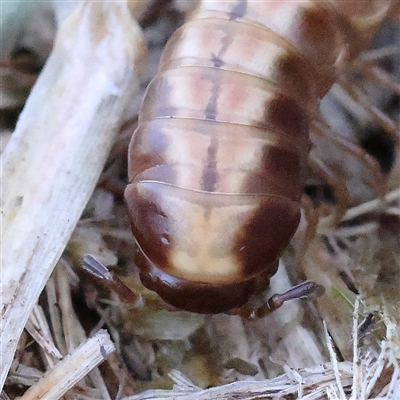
column 218, row 162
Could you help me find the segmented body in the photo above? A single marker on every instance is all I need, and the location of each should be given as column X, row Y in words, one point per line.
column 218, row 162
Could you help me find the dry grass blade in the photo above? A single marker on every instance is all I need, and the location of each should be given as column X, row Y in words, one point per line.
column 55, row 156
column 39, row 329
column 363, row 379
column 72, row 368
column 283, row 385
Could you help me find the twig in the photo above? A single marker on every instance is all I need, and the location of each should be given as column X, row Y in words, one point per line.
column 55, row 156
column 72, row 368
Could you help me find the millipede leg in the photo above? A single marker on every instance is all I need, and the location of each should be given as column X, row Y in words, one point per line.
column 305, row 291
column 103, row 276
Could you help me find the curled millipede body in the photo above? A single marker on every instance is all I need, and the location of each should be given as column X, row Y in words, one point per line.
column 218, row 162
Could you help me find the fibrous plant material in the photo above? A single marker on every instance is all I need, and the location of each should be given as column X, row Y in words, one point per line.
column 371, row 375
column 72, row 368
column 213, row 351
column 55, row 156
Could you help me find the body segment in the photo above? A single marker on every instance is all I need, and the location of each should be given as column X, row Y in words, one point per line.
column 218, row 161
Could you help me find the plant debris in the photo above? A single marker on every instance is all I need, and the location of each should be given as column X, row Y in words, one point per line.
column 82, row 109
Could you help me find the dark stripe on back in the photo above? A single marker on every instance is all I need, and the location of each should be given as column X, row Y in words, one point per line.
column 210, row 175
column 238, row 10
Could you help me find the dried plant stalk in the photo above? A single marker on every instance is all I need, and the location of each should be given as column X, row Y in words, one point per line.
column 56, row 154
column 72, row 368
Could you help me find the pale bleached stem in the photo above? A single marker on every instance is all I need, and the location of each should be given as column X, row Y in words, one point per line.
column 55, row 156
column 57, row 381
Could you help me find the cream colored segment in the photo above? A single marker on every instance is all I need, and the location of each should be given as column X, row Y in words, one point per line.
column 201, row 246
column 202, row 250
column 260, row 55
column 260, row 12
column 236, row 154
column 188, row 92
column 243, row 104
column 192, row 92
column 248, row 158
column 254, row 45
column 187, row 152
column 232, row 152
